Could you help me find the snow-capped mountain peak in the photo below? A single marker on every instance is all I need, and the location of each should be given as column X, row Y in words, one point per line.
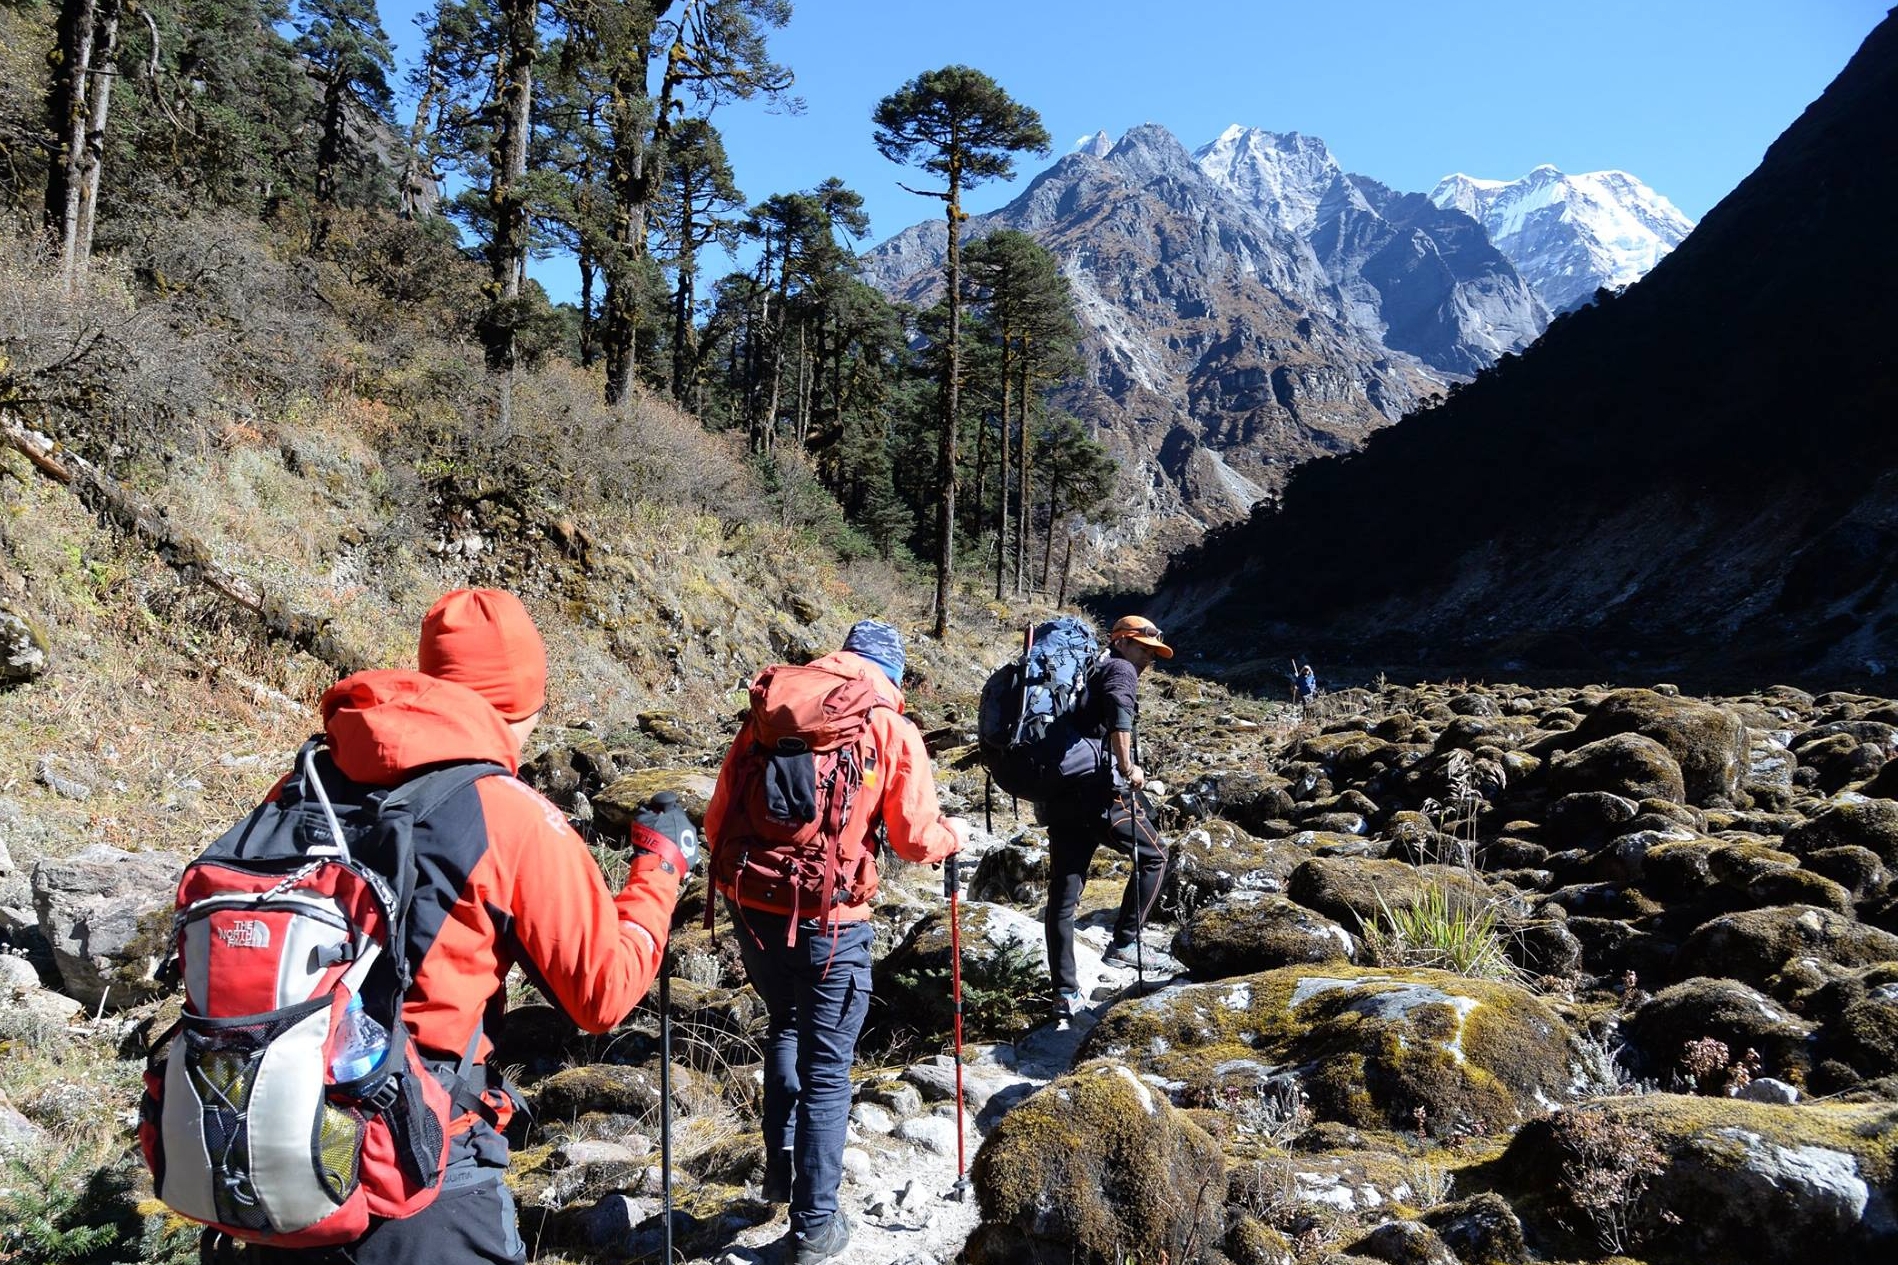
column 1569, row 235
column 1285, row 175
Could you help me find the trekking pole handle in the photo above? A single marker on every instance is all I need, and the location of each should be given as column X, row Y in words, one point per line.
column 951, row 876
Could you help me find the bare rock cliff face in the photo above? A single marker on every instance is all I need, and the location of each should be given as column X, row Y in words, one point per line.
column 1218, row 352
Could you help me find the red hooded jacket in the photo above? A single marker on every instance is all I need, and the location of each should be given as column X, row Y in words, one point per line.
column 524, row 887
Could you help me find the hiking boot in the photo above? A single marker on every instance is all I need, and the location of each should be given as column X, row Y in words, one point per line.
column 1067, row 1004
column 1121, row 953
column 823, row 1243
column 776, row 1186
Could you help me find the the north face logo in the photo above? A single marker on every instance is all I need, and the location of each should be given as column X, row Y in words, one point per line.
column 246, row 933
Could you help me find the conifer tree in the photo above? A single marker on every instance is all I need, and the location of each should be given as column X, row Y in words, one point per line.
column 958, row 124
column 699, row 195
column 1078, row 472
column 348, row 53
column 1029, row 318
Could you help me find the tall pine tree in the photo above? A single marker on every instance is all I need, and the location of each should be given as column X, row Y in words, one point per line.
column 960, row 125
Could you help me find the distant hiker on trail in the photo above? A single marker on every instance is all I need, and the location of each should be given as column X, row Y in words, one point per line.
column 825, row 755
column 1307, row 684
column 1107, row 810
column 400, row 1117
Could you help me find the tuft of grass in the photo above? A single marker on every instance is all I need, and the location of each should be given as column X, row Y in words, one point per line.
column 1439, row 933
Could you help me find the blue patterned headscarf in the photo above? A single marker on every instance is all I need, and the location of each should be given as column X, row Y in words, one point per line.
column 880, row 644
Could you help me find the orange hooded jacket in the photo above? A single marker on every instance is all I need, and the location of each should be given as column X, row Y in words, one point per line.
column 902, row 784
column 518, row 883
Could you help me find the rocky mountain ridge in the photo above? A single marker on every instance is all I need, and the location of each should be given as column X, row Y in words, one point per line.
column 1218, row 353
column 1570, row 235
column 1245, row 307
column 1694, row 476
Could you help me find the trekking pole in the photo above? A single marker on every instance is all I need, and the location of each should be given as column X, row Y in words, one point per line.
column 665, row 1094
column 952, row 887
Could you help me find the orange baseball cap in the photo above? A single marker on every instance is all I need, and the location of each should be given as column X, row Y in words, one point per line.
column 485, row 639
column 1142, row 630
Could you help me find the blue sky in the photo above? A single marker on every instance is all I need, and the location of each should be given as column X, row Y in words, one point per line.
column 1686, row 94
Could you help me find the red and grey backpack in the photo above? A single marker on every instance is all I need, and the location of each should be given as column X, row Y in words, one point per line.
column 783, row 846
column 293, row 916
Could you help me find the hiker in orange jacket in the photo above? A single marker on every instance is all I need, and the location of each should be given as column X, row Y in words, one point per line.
column 816, row 988
column 501, row 879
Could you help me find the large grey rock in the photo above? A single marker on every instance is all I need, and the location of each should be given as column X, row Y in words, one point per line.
column 24, row 650
column 107, row 915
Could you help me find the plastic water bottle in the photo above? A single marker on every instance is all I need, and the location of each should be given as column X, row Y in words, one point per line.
column 361, row 1043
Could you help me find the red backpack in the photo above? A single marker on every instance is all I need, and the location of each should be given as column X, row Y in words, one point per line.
column 782, row 848
column 261, row 1116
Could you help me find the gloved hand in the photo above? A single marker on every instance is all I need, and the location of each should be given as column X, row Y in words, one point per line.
column 661, row 829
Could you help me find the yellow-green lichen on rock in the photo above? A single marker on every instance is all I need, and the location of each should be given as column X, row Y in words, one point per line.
column 1369, row 1047
column 1097, row 1169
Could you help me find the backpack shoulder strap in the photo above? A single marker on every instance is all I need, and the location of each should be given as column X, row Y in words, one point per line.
column 421, row 796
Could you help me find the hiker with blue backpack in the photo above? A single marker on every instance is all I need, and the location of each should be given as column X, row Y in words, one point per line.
column 330, row 1092
column 1060, row 727
column 1107, row 811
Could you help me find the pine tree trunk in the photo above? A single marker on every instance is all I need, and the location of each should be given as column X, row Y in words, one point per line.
column 414, row 165
column 66, row 123
column 682, row 302
column 1022, row 503
column 1067, row 564
column 1047, row 544
column 589, row 320
column 329, row 155
column 507, row 195
column 639, row 160
column 105, row 50
column 951, row 405
column 1001, row 518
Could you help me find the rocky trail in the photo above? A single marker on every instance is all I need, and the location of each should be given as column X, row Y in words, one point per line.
column 1444, row 973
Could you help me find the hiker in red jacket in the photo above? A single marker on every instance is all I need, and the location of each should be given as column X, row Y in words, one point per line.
column 502, row 879
column 813, row 970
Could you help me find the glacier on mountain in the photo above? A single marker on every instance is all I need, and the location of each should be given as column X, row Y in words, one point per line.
column 1570, row 235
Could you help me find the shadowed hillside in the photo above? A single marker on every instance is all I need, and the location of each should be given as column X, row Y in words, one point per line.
column 1694, row 475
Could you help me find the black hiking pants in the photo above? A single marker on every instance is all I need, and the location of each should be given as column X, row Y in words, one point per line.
column 1072, row 840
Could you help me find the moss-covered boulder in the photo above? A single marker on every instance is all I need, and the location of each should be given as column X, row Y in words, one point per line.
column 1481, row 1230
column 1755, row 945
column 1709, row 742
column 1354, row 890
column 1216, row 857
column 1404, row 1243
column 1864, row 1036
column 1251, row 931
column 1012, row 874
column 1004, row 974
column 1097, row 1169
column 611, row 1088
column 1250, row 1241
column 614, row 806
column 1629, row 765
column 1248, row 799
column 1680, row 1180
column 1726, row 1010
column 1368, row 1047
column 1869, row 823
column 1588, row 819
